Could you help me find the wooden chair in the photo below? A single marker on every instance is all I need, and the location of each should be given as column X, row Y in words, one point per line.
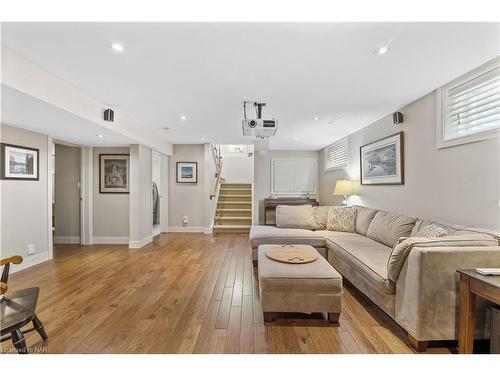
column 17, row 309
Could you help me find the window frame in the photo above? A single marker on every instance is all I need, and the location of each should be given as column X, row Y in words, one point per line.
column 325, row 153
column 442, row 95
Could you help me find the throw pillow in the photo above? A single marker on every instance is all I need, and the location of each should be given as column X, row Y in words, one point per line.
column 297, row 217
column 341, row 219
column 432, row 230
column 320, row 215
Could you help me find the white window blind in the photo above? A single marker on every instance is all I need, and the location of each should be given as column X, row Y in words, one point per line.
column 470, row 106
column 337, row 155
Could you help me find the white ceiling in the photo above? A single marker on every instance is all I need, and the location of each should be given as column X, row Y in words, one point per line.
column 205, row 70
column 25, row 111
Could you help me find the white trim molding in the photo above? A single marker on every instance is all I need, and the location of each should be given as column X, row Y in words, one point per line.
column 50, row 194
column 110, row 240
column 141, row 243
column 67, row 239
column 189, row 230
column 30, row 261
column 87, row 195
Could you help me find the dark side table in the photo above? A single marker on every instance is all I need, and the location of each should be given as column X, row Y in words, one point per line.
column 473, row 284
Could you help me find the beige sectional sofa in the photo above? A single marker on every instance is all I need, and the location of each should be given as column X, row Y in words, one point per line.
column 414, row 282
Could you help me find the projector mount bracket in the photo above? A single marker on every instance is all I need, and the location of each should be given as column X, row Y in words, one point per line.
column 258, row 109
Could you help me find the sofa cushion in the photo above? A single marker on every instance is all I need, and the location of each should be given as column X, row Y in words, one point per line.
column 298, row 217
column 264, row 234
column 341, row 219
column 366, row 256
column 402, row 250
column 320, row 216
column 387, row 228
column 432, row 230
column 364, row 218
column 453, row 229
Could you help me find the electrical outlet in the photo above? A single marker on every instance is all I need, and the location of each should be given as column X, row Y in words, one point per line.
column 185, row 219
column 31, row 249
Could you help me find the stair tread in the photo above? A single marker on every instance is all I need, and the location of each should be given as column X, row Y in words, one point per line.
column 227, row 226
column 233, row 195
column 233, row 217
column 235, row 202
column 234, row 209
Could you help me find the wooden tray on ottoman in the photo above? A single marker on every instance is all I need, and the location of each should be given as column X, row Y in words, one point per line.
column 294, row 254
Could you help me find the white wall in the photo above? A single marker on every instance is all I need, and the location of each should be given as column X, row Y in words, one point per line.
column 111, row 211
column 141, row 210
column 188, row 199
column 458, row 184
column 67, row 194
column 24, row 207
column 262, row 177
column 237, row 168
column 210, row 170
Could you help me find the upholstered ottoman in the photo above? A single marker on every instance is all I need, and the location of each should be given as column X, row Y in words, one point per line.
column 308, row 288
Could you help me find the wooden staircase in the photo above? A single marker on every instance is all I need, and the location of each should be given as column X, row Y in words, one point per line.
column 234, row 209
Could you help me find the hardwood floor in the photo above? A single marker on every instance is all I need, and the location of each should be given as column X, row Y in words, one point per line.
column 186, row 293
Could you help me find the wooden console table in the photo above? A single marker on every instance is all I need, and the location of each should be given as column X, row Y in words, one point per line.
column 473, row 284
column 270, row 204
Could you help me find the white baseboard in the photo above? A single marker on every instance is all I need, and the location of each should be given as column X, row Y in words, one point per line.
column 208, row 230
column 30, row 261
column 189, row 230
column 110, row 240
column 67, row 240
column 140, row 243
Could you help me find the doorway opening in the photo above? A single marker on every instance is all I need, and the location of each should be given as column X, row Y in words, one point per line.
column 66, row 195
column 234, row 212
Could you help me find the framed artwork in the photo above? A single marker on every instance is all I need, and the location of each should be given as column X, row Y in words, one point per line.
column 19, row 162
column 187, row 172
column 114, row 171
column 382, row 161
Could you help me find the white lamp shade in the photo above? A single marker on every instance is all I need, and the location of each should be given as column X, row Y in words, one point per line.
column 345, row 187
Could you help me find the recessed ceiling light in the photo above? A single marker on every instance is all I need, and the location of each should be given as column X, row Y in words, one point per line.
column 183, row 117
column 295, row 139
column 117, row 47
column 315, row 118
column 202, row 138
column 99, row 136
column 382, row 50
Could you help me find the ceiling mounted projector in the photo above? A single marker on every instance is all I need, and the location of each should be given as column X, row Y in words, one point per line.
column 258, row 127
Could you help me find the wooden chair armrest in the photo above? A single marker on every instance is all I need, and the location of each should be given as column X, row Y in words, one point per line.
column 16, row 259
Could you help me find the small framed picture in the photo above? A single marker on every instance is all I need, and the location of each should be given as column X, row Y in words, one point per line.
column 113, row 173
column 382, row 161
column 19, row 162
column 187, row 172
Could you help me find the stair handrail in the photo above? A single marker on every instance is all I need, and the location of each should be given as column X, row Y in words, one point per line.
column 218, row 159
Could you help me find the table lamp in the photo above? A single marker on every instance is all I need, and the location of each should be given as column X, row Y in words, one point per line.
column 345, row 188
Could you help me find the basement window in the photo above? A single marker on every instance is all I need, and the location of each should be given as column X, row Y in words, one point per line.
column 337, row 155
column 469, row 107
